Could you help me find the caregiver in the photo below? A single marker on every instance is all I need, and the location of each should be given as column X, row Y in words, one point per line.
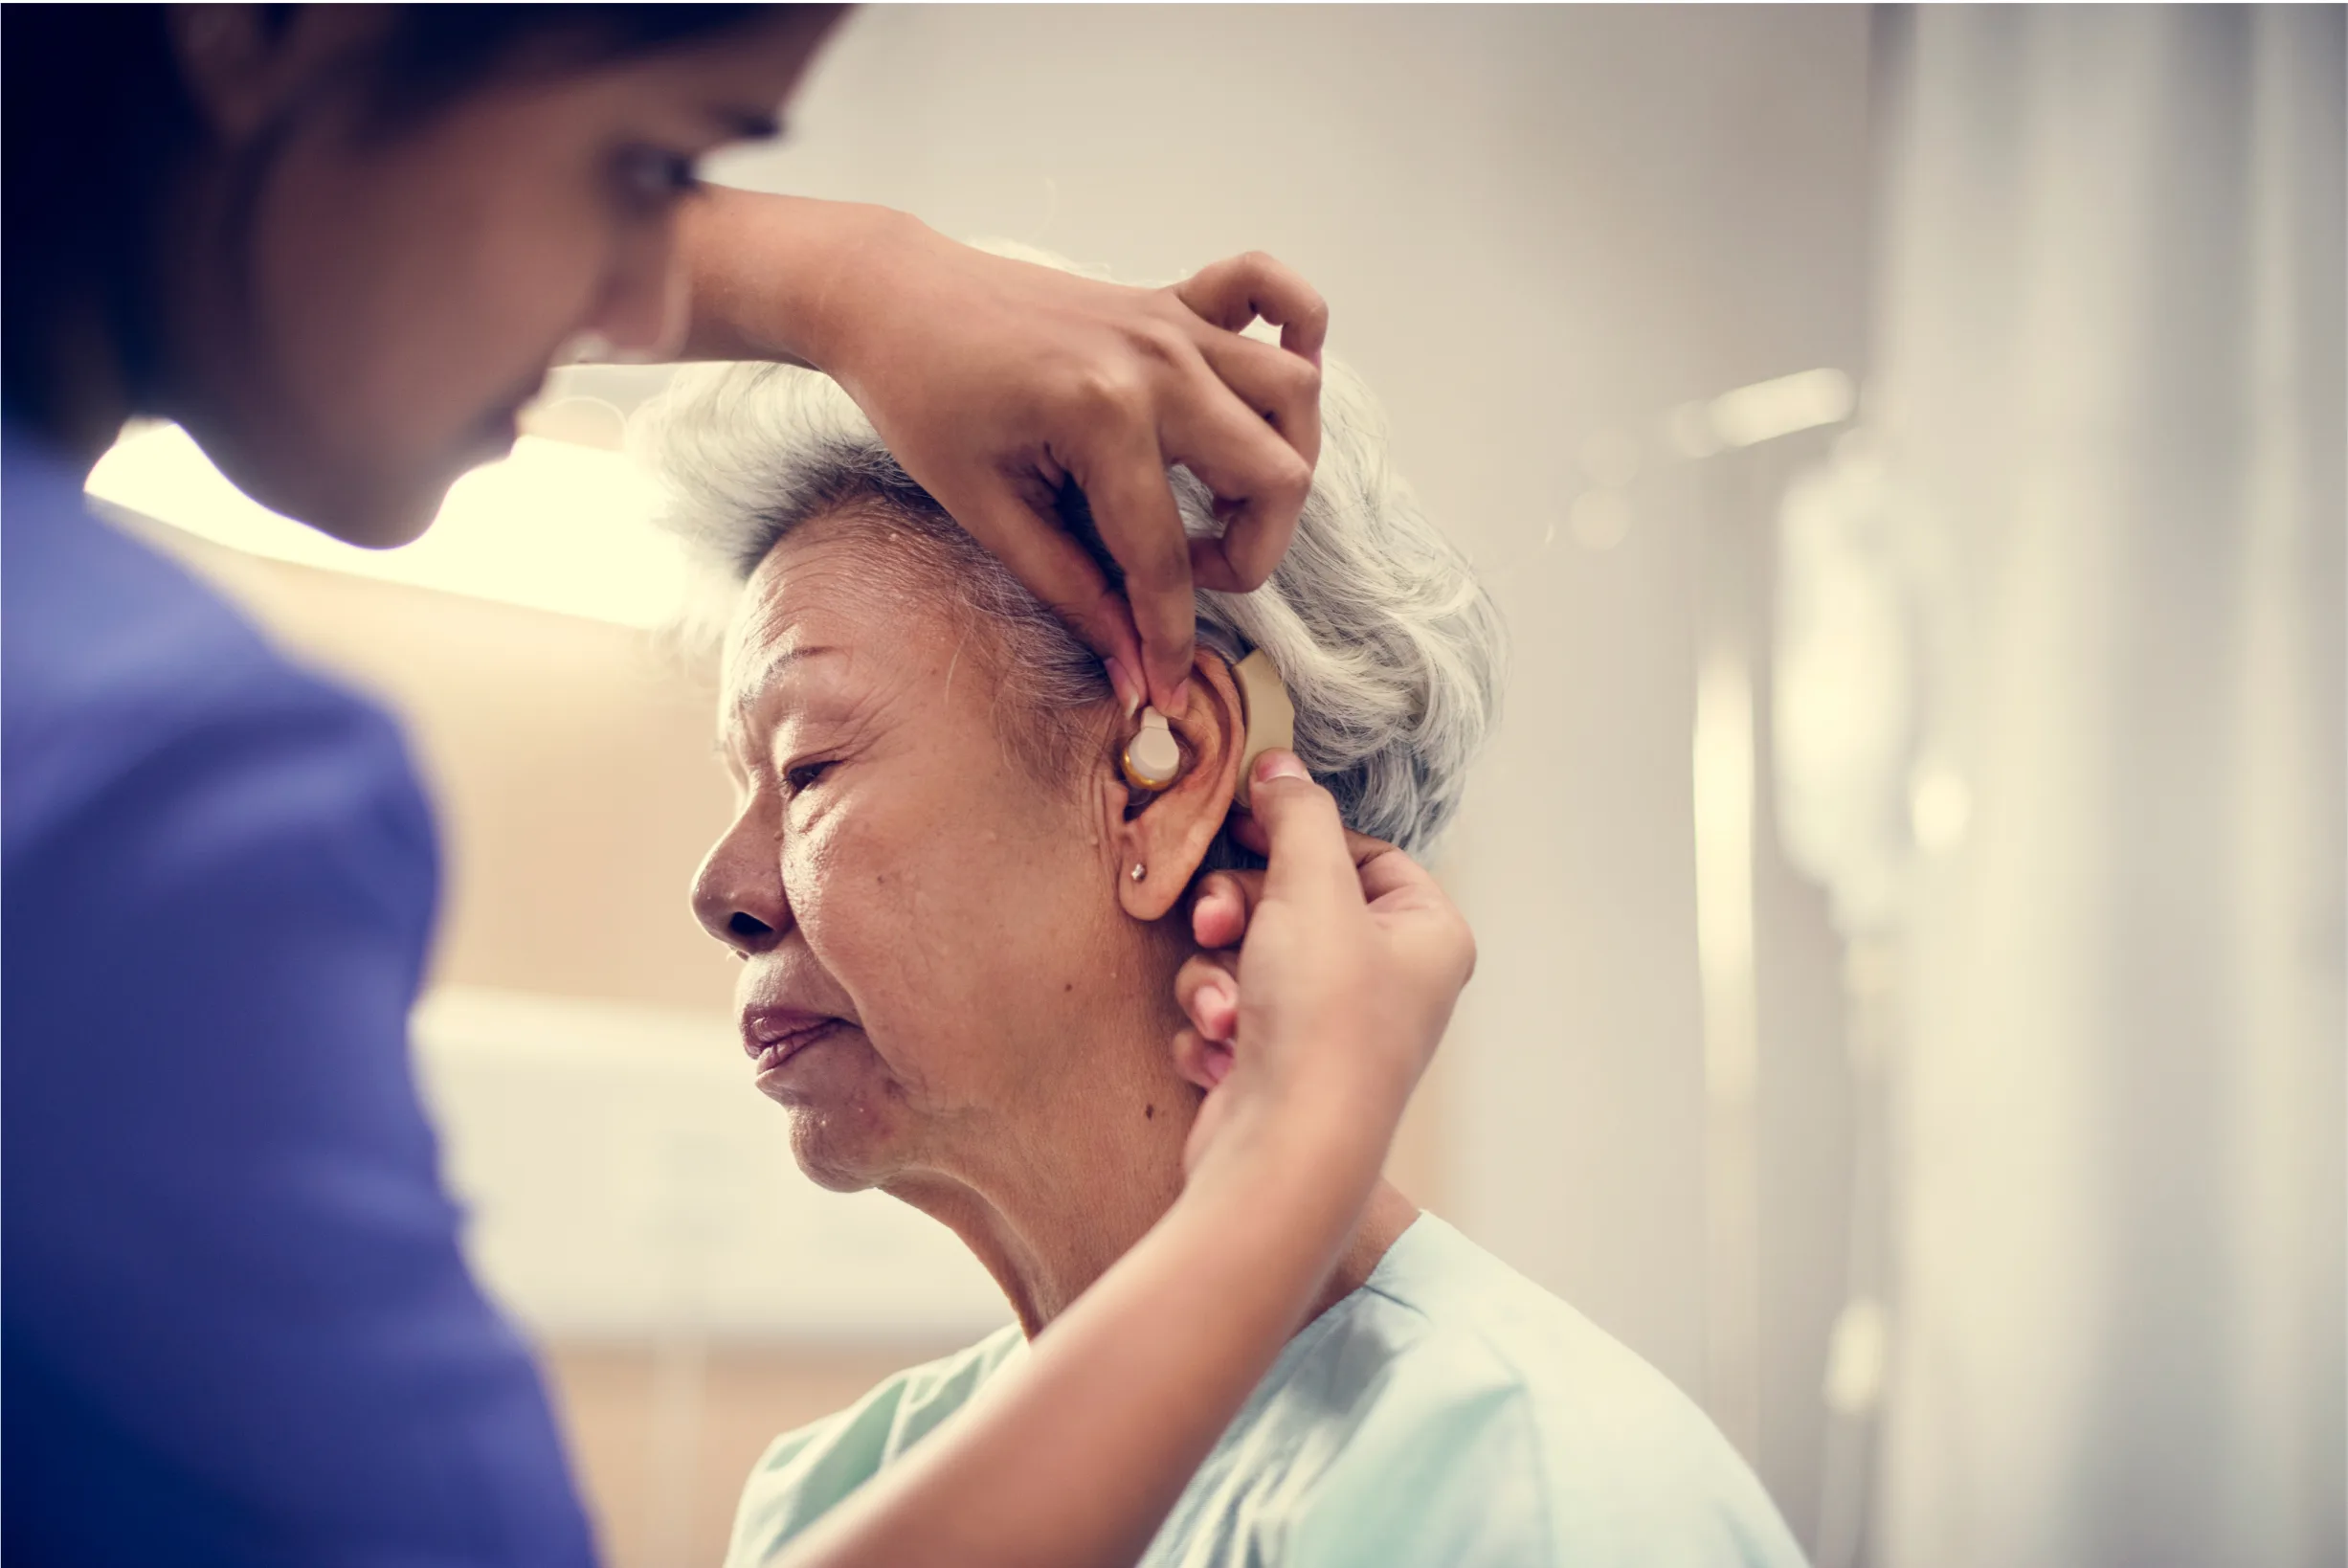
column 340, row 246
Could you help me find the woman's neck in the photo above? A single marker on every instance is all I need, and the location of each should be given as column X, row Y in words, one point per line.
column 89, row 347
column 69, row 387
column 1049, row 1203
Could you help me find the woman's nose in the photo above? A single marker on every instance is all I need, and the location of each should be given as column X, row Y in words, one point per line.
column 738, row 895
column 645, row 306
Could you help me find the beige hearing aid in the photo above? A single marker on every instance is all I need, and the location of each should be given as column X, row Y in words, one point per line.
column 1153, row 757
column 1271, row 718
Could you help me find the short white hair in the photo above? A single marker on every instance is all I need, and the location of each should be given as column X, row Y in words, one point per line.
column 1390, row 648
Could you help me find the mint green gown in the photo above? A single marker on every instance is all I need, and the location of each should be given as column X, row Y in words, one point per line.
column 1448, row 1412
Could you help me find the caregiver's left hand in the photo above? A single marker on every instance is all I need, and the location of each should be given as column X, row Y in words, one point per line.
column 1207, row 986
column 1331, row 970
column 995, row 381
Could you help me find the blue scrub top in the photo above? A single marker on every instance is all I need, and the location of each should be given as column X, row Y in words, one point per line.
column 237, row 1327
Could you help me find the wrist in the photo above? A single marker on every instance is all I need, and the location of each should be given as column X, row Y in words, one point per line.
column 1319, row 1150
column 787, row 277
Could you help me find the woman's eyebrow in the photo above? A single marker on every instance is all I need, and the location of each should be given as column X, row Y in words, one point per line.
column 782, row 659
column 751, row 687
column 735, row 124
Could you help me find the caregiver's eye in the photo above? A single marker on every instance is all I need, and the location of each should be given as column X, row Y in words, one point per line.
column 649, row 177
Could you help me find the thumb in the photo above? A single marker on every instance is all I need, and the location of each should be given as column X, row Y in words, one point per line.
column 1305, row 838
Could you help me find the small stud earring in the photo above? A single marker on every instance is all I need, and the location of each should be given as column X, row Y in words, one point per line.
column 1139, row 872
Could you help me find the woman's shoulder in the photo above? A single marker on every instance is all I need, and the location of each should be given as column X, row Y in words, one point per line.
column 1609, row 1458
column 804, row 1473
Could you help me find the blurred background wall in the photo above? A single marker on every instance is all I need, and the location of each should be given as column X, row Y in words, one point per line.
column 2100, row 490
column 1615, row 273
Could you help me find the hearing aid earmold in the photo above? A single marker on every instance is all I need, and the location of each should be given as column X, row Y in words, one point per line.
column 1153, row 758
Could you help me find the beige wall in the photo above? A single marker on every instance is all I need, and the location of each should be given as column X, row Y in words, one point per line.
column 662, row 1436
column 572, row 763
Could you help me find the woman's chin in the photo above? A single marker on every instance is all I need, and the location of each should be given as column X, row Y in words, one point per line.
column 831, row 1161
column 840, row 1130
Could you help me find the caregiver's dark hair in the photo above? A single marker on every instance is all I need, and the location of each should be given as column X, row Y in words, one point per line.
column 95, row 123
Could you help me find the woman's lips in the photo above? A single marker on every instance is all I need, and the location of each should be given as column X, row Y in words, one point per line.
column 772, row 1036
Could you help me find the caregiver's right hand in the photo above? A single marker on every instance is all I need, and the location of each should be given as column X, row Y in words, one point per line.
column 995, row 380
column 992, row 380
column 1352, row 962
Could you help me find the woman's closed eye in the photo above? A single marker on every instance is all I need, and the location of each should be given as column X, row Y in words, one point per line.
column 803, row 776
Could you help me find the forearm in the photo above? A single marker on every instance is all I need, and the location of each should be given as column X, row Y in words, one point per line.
column 1077, row 1459
column 767, row 273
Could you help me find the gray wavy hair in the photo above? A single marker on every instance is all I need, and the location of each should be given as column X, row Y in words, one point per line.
column 1390, row 648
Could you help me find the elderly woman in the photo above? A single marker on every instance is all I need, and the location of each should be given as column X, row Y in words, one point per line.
column 961, row 921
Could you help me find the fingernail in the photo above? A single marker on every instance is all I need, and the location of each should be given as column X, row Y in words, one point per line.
column 1182, row 698
column 589, row 347
column 1279, row 765
column 1121, row 679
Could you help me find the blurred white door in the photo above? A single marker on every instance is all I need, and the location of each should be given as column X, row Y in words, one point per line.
column 2109, row 391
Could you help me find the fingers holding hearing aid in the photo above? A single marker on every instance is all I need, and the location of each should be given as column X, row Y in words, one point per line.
column 1204, row 1062
column 1220, row 906
column 1253, row 286
column 1259, row 486
column 1329, row 976
column 1207, row 990
column 995, row 381
column 1140, row 525
column 1056, row 571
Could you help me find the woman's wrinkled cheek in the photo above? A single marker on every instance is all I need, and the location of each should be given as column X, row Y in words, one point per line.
column 856, row 901
column 837, row 884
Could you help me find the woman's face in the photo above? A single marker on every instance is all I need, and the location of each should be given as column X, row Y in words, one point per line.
column 927, row 930
column 375, row 320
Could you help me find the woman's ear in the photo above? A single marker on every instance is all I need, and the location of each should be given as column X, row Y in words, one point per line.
column 1162, row 836
column 244, row 67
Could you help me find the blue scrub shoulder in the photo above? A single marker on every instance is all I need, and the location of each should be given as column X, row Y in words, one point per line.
column 109, row 652
column 238, row 1325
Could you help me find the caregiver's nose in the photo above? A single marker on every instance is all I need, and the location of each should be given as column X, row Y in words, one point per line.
column 644, row 307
